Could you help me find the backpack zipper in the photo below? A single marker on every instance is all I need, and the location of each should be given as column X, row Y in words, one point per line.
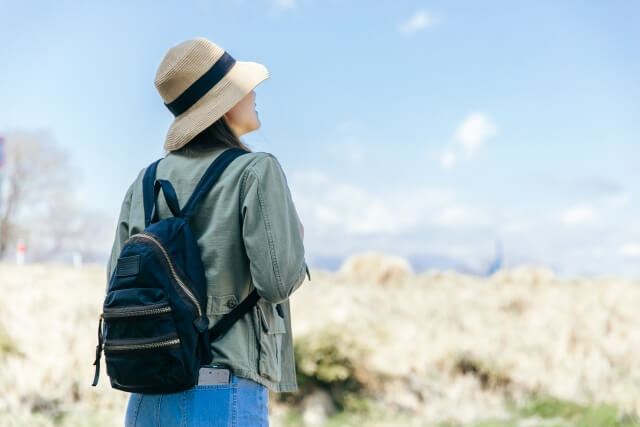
column 142, row 344
column 187, row 291
column 147, row 310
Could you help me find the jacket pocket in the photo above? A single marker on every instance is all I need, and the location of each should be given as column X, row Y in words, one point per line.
column 219, row 305
column 271, row 330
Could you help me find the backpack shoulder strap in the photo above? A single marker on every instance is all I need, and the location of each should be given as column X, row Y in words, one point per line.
column 170, row 197
column 210, row 177
column 148, row 197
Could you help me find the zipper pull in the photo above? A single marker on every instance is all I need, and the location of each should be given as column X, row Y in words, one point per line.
column 98, row 354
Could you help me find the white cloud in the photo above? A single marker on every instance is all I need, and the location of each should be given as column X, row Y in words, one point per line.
column 453, row 216
column 329, row 204
column 375, row 218
column 618, row 200
column 516, row 226
column 462, row 216
column 419, row 207
column 420, row 20
column 285, row 4
column 474, row 131
column 342, row 217
column 351, row 210
column 630, row 250
column 468, row 137
column 448, row 159
column 579, row 215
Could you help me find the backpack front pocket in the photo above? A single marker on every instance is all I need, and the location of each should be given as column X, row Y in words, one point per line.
column 139, row 345
column 155, row 361
column 139, row 321
column 142, row 346
column 137, row 313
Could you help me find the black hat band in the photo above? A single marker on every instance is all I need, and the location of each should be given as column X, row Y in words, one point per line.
column 201, row 86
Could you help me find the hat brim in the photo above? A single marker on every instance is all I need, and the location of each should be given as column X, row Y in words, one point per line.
column 241, row 79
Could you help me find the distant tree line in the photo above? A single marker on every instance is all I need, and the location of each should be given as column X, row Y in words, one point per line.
column 39, row 205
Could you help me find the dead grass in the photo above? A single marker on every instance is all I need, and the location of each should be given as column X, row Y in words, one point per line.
column 450, row 347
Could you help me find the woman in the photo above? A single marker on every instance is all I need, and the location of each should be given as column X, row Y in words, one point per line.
column 248, row 232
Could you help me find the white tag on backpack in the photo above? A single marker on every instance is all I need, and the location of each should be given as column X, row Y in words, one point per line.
column 213, row 376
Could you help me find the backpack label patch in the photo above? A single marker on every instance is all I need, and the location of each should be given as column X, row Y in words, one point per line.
column 128, row 266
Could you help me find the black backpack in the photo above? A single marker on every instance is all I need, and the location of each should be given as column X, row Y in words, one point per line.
column 156, row 333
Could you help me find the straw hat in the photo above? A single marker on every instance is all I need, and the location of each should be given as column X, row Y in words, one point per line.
column 199, row 82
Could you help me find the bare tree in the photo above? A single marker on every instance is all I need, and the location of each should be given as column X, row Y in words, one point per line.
column 36, row 172
column 70, row 227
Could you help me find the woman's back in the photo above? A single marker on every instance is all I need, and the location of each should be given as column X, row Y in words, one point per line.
column 249, row 235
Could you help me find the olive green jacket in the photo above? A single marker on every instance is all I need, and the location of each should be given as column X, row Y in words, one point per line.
column 250, row 236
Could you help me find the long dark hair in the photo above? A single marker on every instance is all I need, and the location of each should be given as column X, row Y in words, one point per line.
column 218, row 135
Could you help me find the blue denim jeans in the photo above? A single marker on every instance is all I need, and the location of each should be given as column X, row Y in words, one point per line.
column 241, row 403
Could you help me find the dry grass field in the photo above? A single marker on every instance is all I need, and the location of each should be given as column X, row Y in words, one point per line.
column 388, row 347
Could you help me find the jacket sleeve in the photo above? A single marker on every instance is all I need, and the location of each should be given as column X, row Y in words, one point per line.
column 122, row 232
column 271, row 231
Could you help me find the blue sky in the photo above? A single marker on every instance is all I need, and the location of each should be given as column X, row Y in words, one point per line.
column 422, row 129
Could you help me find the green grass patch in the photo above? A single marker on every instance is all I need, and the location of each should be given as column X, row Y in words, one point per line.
column 545, row 411
column 574, row 414
column 538, row 412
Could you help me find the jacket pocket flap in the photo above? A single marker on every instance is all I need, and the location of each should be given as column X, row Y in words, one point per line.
column 217, row 305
